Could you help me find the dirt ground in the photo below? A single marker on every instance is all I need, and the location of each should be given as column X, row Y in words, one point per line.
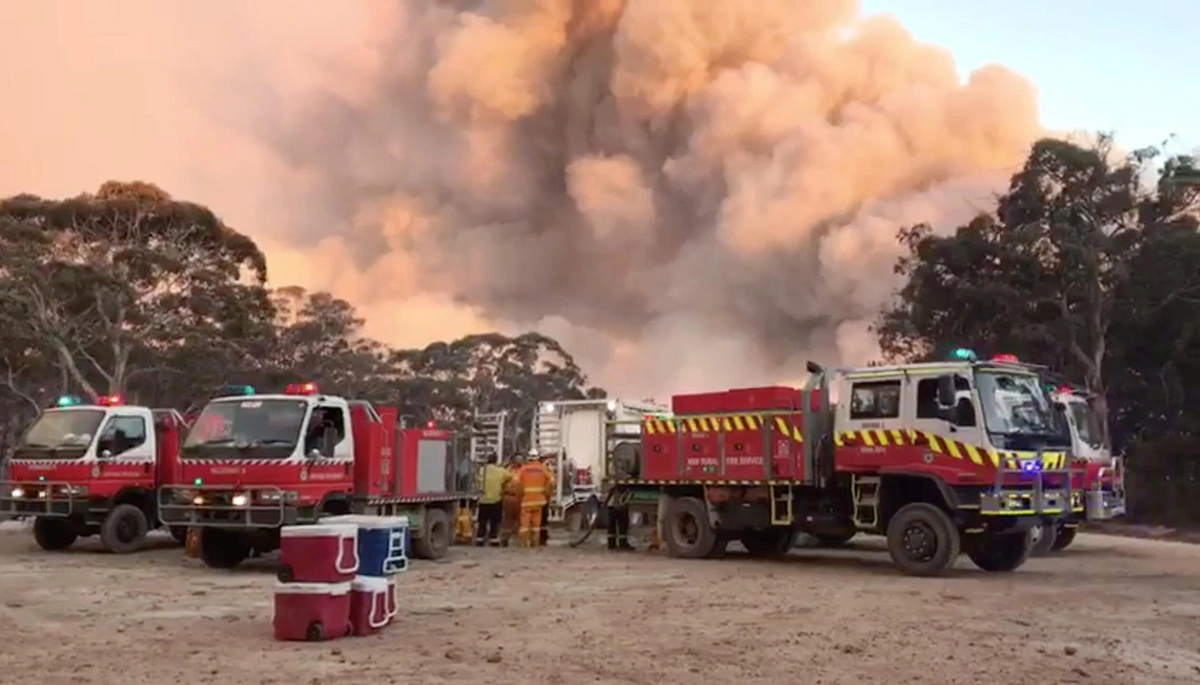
column 1110, row 610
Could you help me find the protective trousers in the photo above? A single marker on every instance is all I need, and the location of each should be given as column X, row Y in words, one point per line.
column 511, row 518
column 618, row 528
column 531, row 524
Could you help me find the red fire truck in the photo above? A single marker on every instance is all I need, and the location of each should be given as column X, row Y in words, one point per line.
column 253, row 463
column 941, row 458
column 81, row 470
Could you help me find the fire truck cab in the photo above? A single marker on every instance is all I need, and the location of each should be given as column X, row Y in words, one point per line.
column 81, row 470
column 1102, row 480
column 253, row 463
column 940, row 458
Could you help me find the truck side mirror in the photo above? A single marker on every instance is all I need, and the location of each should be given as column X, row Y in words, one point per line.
column 329, row 440
column 964, row 413
column 945, row 391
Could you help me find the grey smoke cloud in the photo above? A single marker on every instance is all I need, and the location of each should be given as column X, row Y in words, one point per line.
column 688, row 193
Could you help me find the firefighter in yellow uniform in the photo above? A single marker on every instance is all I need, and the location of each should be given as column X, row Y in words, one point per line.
column 511, row 504
column 535, row 485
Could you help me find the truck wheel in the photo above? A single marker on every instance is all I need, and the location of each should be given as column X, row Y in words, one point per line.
column 1042, row 538
column 433, row 539
column 222, row 548
column 1000, row 553
column 179, row 533
column 688, row 531
column 123, row 529
column 922, row 540
column 1065, row 537
column 770, row 542
column 53, row 535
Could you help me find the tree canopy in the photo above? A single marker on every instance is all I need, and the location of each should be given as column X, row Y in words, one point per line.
column 129, row 290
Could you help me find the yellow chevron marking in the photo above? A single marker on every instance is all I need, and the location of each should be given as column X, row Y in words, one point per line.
column 866, row 438
column 973, row 453
column 994, row 457
column 879, row 437
column 781, row 425
column 796, row 435
column 738, row 423
column 934, row 445
column 838, row 440
column 952, row 448
column 897, row 437
column 912, row 436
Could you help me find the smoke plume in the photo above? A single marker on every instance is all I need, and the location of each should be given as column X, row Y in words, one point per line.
column 687, row 193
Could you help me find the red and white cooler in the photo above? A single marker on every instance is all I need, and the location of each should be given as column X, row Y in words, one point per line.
column 312, row 611
column 319, row 553
column 368, row 605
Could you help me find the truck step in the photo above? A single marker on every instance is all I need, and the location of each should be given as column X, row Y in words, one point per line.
column 864, row 493
column 782, row 509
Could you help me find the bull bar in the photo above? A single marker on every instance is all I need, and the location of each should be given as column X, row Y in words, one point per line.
column 1036, row 499
column 57, row 499
column 213, row 506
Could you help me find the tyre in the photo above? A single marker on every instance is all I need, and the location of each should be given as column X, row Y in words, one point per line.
column 1000, row 553
column 434, row 538
column 124, row 529
column 222, row 548
column 1042, row 539
column 1065, row 537
column 689, row 535
column 769, row 542
column 923, row 540
column 179, row 534
column 52, row 534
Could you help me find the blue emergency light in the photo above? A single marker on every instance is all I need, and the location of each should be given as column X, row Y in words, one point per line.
column 963, row 354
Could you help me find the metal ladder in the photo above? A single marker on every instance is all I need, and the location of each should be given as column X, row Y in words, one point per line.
column 487, row 438
column 864, row 491
column 547, row 438
column 782, row 513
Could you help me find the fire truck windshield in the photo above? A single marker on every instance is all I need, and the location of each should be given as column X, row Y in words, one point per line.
column 262, row 428
column 60, row 434
column 1017, row 411
column 1085, row 422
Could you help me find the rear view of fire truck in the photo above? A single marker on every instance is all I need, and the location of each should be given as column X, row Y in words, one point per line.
column 575, row 435
column 82, row 470
column 940, row 458
column 253, row 463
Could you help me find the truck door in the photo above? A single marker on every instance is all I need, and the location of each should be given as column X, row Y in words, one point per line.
column 930, row 418
column 126, row 447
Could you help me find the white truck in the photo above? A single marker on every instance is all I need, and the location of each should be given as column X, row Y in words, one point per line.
column 573, row 435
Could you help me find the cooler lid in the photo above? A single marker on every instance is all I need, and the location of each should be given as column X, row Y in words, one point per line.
column 332, row 589
column 370, row 584
column 319, row 530
column 376, row 522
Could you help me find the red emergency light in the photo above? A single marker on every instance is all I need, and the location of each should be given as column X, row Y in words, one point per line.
column 308, row 388
column 110, row 400
column 430, row 425
column 1006, row 358
column 1064, row 390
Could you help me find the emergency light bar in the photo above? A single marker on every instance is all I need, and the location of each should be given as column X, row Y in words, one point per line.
column 233, row 390
column 1006, row 358
column 963, row 354
column 68, row 401
column 308, row 388
column 110, row 400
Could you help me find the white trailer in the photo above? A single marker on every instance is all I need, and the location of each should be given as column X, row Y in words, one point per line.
column 574, row 435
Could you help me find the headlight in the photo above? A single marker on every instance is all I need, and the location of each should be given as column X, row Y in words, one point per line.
column 198, row 500
column 18, row 493
column 239, row 500
column 42, row 494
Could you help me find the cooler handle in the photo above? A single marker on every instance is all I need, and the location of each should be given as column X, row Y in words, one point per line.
column 341, row 557
column 395, row 608
column 375, row 598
